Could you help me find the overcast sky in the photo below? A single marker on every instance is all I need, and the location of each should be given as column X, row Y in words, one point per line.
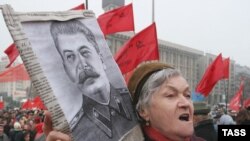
column 213, row 26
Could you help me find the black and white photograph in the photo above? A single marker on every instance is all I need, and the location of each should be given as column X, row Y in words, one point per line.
column 84, row 77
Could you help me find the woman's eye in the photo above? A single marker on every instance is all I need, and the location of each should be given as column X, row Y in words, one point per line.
column 170, row 95
column 188, row 96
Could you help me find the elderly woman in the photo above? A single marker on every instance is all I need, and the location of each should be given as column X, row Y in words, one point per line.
column 162, row 99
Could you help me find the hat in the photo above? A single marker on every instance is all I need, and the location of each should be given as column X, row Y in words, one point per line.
column 17, row 125
column 141, row 75
column 201, row 108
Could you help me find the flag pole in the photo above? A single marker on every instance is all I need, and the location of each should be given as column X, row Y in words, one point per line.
column 228, row 86
column 153, row 11
column 134, row 23
column 86, row 3
column 243, row 91
column 227, row 93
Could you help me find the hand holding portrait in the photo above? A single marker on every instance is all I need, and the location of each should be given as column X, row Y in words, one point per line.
column 53, row 135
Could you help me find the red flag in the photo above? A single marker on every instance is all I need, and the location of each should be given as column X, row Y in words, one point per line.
column 12, row 53
column 246, row 103
column 1, row 105
column 26, row 104
column 16, row 73
column 142, row 47
column 234, row 104
column 79, row 7
column 38, row 103
column 117, row 20
column 226, row 64
column 214, row 73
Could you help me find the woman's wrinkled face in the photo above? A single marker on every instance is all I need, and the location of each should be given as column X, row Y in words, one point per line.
column 171, row 110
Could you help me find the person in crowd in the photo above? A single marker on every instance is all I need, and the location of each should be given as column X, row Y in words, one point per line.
column 243, row 117
column 3, row 136
column 25, row 136
column 38, row 126
column 226, row 120
column 32, row 133
column 203, row 124
column 15, row 131
column 7, row 126
column 103, row 108
column 218, row 113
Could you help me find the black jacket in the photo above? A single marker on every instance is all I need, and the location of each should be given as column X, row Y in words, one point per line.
column 205, row 129
column 106, row 122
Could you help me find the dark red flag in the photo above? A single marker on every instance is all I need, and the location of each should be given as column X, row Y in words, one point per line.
column 226, row 63
column 79, row 7
column 214, row 73
column 12, row 53
column 117, row 20
column 234, row 104
column 142, row 47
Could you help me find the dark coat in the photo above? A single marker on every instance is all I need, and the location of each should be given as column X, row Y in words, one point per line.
column 106, row 123
column 205, row 129
column 246, row 122
column 4, row 137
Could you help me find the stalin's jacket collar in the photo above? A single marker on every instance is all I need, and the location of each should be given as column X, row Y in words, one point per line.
column 100, row 114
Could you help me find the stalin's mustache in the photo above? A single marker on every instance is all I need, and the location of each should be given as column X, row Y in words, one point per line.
column 87, row 73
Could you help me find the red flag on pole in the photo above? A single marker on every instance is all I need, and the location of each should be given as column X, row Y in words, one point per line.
column 226, row 64
column 142, row 47
column 214, row 73
column 117, row 20
column 79, row 7
column 234, row 104
column 1, row 105
column 12, row 54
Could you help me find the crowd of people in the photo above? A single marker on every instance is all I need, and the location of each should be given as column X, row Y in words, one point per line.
column 21, row 125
